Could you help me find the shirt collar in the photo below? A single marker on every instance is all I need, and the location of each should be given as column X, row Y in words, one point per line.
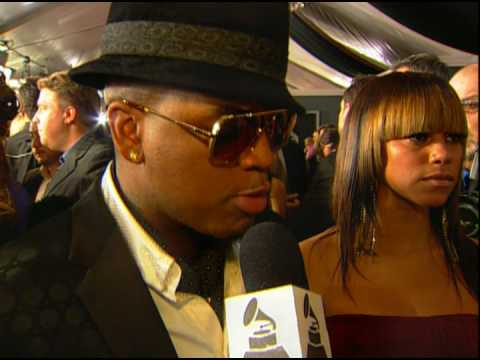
column 64, row 156
column 159, row 270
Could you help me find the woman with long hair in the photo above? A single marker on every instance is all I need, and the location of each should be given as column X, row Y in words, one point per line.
column 396, row 275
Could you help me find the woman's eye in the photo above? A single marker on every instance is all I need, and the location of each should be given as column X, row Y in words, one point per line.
column 418, row 137
column 455, row 138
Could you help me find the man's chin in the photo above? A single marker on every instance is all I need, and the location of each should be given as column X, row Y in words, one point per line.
column 233, row 231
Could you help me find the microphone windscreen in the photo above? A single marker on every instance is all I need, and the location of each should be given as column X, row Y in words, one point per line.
column 270, row 257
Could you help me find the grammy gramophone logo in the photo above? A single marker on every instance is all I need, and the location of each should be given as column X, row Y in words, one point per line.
column 263, row 339
column 315, row 348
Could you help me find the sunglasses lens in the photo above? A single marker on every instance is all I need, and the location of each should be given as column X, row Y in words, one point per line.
column 234, row 136
column 276, row 126
column 240, row 132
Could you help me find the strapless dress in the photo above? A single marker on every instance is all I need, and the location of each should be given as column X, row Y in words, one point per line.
column 399, row 336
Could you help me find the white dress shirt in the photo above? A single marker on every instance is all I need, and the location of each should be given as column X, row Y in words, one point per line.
column 193, row 326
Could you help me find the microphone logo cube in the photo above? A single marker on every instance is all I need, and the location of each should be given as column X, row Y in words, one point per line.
column 282, row 322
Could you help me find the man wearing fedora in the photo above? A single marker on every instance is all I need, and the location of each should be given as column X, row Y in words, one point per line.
column 197, row 106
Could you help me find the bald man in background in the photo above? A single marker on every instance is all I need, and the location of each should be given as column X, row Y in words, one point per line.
column 465, row 83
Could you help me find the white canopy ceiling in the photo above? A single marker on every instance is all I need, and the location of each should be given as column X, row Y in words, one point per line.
column 56, row 36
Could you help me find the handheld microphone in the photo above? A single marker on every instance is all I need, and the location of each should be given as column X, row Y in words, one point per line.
column 277, row 317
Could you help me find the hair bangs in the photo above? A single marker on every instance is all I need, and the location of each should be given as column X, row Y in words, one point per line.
column 422, row 109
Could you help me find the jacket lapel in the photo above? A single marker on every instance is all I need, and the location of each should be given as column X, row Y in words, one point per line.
column 113, row 290
column 62, row 173
column 24, row 167
column 24, row 147
column 76, row 153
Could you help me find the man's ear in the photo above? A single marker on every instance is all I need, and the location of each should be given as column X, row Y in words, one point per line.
column 70, row 113
column 125, row 125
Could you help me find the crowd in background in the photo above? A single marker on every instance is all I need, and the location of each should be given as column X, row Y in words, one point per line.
column 50, row 158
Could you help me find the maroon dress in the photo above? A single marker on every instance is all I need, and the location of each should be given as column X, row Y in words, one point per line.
column 399, row 336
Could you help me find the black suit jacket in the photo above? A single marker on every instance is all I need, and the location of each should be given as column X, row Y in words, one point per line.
column 71, row 288
column 18, row 149
column 296, row 168
column 314, row 214
column 84, row 163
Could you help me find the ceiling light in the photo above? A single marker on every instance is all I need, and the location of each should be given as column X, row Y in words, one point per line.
column 7, row 71
column 14, row 83
column 3, row 45
column 296, row 6
column 102, row 119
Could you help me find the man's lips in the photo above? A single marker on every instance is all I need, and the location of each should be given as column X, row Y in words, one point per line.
column 253, row 201
column 256, row 191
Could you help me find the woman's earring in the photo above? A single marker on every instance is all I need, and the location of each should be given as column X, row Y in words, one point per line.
column 448, row 241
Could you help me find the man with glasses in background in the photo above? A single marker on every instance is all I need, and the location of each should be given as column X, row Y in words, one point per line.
column 197, row 106
column 465, row 83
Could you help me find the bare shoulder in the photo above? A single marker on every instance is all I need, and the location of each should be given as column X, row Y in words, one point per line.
column 318, row 244
column 320, row 255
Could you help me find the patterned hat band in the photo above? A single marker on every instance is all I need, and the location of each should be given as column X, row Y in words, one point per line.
column 196, row 43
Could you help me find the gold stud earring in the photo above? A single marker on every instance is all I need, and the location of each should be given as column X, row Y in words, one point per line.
column 133, row 155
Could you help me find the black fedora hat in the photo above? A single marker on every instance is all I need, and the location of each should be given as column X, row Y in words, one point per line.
column 234, row 50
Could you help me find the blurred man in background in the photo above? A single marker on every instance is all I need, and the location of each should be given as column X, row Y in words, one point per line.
column 465, row 83
column 19, row 144
column 66, row 120
column 423, row 63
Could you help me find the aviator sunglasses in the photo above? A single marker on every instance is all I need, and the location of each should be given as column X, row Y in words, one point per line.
column 232, row 134
column 470, row 105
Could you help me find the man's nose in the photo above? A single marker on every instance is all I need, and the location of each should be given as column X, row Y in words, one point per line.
column 259, row 155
